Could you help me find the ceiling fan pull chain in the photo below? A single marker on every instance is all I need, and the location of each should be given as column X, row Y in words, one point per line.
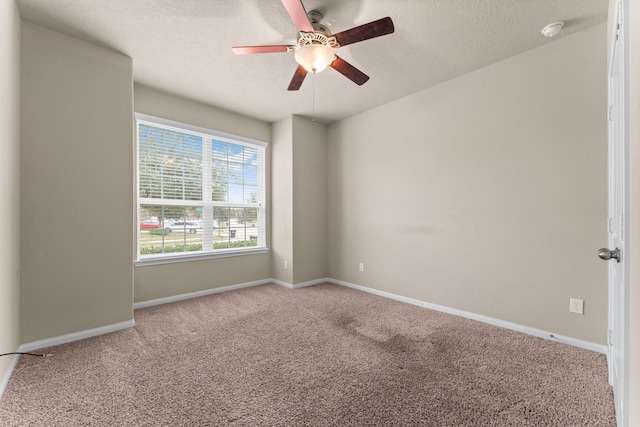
column 313, row 99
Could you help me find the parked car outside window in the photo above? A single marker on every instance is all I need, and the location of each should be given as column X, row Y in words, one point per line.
column 149, row 224
column 185, row 227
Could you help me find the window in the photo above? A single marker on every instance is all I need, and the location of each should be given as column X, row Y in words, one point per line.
column 200, row 192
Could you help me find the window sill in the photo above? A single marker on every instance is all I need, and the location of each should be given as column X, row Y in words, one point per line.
column 158, row 260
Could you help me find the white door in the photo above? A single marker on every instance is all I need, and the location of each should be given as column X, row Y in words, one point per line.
column 618, row 223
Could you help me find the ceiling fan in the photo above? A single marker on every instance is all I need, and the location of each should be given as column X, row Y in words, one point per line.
column 315, row 48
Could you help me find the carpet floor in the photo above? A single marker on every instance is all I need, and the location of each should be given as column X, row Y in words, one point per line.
column 325, row 355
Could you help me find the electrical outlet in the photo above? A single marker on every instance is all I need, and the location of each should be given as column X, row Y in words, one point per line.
column 361, row 267
column 286, row 264
column 576, row 306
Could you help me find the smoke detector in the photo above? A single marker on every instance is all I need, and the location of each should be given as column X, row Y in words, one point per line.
column 552, row 29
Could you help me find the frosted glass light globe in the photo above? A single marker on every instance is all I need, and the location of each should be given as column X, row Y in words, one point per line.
column 314, row 57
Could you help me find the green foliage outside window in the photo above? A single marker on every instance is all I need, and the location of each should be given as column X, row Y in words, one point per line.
column 197, row 247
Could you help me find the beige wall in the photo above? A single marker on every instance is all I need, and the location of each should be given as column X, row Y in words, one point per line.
column 309, row 200
column 9, row 181
column 76, row 180
column 158, row 103
column 159, row 281
column 486, row 193
column 299, row 200
column 282, row 200
column 634, row 242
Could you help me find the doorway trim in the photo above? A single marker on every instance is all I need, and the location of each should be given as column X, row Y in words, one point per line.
column 618, row 115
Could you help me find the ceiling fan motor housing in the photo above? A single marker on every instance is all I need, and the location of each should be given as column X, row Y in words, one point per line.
column 317, row 38
column 314, row 18
column 315, row 50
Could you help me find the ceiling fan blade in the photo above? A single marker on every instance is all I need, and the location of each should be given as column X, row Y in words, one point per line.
column 298, row 78
column 248, row 50
column 349, row 71
column 295, row 8
column 368, row 31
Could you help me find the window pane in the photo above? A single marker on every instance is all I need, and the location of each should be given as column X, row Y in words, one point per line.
column 235, row 227
column 219, row 184
column 219, row 149
column 251, row 175
column 250, row 156
column 243, row 227
column 170, row 229
column 251, row 193
column 221, row 219
column 238, row 227
column 170, row 164
column 236, row 183
column 150, row 185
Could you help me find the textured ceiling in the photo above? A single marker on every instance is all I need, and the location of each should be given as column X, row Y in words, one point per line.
column 184, row 46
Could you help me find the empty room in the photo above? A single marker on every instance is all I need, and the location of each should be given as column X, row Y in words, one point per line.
column 320, row 213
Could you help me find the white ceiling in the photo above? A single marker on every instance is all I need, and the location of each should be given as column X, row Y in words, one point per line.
column 184, row 46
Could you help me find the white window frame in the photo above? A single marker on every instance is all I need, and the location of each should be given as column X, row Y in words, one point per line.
column 208, row 135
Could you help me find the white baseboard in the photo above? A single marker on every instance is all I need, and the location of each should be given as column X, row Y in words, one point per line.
column 485, row 319
column 300, row 285
column 76, row 336
column 197, row 294
column 7, row 375
column 180, row 297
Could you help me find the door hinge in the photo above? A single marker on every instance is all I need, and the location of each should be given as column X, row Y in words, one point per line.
column 610, row 337
column 610, row 225
column 610, row 113
column 619, row 20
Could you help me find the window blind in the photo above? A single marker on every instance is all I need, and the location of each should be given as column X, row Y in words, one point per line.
column 199, row 191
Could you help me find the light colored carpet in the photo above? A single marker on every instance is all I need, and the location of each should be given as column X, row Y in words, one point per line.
column 319, row 356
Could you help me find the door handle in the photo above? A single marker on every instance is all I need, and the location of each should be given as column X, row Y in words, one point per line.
column 606, row 254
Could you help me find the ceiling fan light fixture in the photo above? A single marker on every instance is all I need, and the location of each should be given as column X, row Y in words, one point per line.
column 314, row 57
